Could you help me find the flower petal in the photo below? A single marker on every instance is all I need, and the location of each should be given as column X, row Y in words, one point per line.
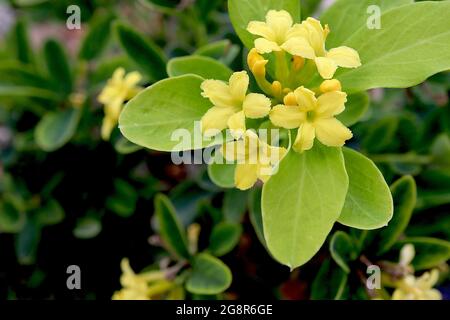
column 299, row 46
column 245, row 176
column 234, row 151
column 288, row 117
column 236, row 124
column 216, row 118
column 239, row 85
column 261, row 29
column 316, row 35
column 132, row 79
column 256, row 106
column 280, row 22
column 331, row 103
column 331, row 132
column 305, row 137
column 326, row 67
column 266, row 46
column 218, row 93
column 345, row 57
column 306, row 98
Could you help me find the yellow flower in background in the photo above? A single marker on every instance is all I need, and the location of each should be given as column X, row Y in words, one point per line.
column 255, row 159
column 327, row 62
column 277, row 33
column 314, row 118
column 232, row 104
column 412, row 288
column 118, row 89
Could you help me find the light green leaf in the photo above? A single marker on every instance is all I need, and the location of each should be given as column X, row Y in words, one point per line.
column 355, row 108
column 430, row 252
column 243, row 11
column 369, row 201
column 209, row 275
column 56, row 129
column 301, row 203
column 343, row 250
column 150, row 119
column 224, row 237
column 412, row 44
column 170, row 227
column 205, row 67
column 148, row 56
column 345, row 17
column 222, row 174
column 404, row 193
column 97, row 37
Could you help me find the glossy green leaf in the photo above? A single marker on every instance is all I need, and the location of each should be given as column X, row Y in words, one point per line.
column 209, row 275
column 343, row 250
column 234, row 205
column 355, row 108
column 58, row 66
column 430, row 252
column 56, row 129
column 148, row 56
column 404, row 194
column 205, row 67
column 301, row 203
column 224, row 237
column 243, row 11
column 161, row 110
column 345, row 17
column 97, row 37
column 400, row 55
column 170, row 227
column 368, row 204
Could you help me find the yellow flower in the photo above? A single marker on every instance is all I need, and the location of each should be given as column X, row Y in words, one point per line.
column 255, row 159
column 412, row 288
column 277, row 33
column 119, row 89
column 232, row 105
column 327, row 62
column 315, row 117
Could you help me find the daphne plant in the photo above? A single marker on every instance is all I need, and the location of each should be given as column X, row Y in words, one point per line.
column 309, row 77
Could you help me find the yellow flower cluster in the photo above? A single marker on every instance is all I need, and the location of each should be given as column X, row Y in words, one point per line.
column 299, row 54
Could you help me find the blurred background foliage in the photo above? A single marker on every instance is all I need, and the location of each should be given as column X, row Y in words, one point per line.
column 68, row 197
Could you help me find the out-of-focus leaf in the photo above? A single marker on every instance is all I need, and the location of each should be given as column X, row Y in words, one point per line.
column 204, row 67
column 224, row 237
column 23, row 48
column 12, row 216
column 49, row 214
column 330, row 282
column 343, row 250
column 256, row 214
column 97, row 37
column 234, row 205
column 58, row 66
column 123, row 201
column 355, row 108
column 430, row 252
column 222, row 50
column 380, row 135
column 27, row 242
column 87, row 228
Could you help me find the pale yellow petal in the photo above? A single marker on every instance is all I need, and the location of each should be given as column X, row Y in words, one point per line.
column 305, row 137
column 132, row 79
column 108, row 126
column 218, row 93
column 331, row 132
column 331, row 103
column 234, row 151
column 288, row 117
column 266, row 46
column 236, row 124
column 433, row 294
column 261, row 29
column 216, row 118
column 306, row 98
column 256, row 106
column 280, row 22
column 326, row 67
column 264, row 172
column 345, row 57
column 299, row 46
column 297, row 30
column 118, row 75
column 245, row 176
column 316, row 35
column 238, row 86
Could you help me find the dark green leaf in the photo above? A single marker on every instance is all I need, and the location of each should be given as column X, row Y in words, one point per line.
column 97, row 37
column 224, row 237
column 58, row 66
column 343, row 250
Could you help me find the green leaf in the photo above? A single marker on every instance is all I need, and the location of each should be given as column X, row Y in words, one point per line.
column 170, row 227
column 301, row 203
column 87, row 228
column 234, row 205
column 345, row 17
column 381, row 134
column 224, row 237
column 30, row 92
column 430, row 252
column 440, row 151
column 123, row 146
column 343, row 250
column 355, row 108
column 14, row 73
column 222, row 174
column 12, row 218
column 204, row 67
column 58, row 66
column 401, row 55
column 150, row 119
column 404, row 193
column 222, row 50
column 23, row 48
column 27, row 242
column 368, row 204
column 243, row 11
column 148, row 56
column 330, row 282
column 56, row 129
column 255, row 213
column 49, row 214
column 124, row 200
column 209, row 275
column 97, row 38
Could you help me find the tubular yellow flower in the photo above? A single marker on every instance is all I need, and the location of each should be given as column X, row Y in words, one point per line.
column 313, row 48
column 277, row 33
column 412, row 288
column 255, row 159
column 118, row 89
column 314, row 117
column 231, row 105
